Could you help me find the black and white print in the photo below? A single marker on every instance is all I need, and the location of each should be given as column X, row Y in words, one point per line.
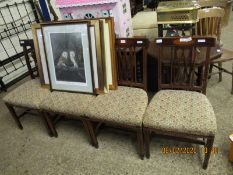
column 67, row 50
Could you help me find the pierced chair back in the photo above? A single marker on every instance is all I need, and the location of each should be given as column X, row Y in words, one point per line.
column 178, row 65
column 132, row 62
column 210, row 22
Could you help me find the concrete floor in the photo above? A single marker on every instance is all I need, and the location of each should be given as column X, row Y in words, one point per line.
column 32, row 151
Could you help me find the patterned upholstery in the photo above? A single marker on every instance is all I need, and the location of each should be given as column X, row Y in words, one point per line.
column 72, row 104
column 124, row 106
column 181, row 111
column 28, row 95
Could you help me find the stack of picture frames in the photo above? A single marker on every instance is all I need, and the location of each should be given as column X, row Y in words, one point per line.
column 77, row 55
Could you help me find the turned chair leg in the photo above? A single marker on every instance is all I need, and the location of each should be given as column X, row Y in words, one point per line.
column 220, row 72
column 209, row 146
column 140, row 142
column 147, row 142
column 92, row 133
column 14, row 115
column 50, row 124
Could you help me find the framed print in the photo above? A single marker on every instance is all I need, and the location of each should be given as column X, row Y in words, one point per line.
column 96, row 76
column 68, row 55
column 108, row 49
column 110, row 22
column 99, row 55
column 107, row 54
column 105, row 33
column 40, row 55
column 94, row 57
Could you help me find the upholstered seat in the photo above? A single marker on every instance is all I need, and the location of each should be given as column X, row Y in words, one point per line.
column 125, row 106
column 28, row 95
column 183, row 112
column 71, row 104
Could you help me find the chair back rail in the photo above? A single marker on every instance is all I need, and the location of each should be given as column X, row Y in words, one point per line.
column 132, row 62
column 28, row 48
column 213, row 3
column 178, row 64
column 210, row 22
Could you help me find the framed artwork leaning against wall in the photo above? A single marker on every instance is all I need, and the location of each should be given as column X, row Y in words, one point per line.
column 68, row 52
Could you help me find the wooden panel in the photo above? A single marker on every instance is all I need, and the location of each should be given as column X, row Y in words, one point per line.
column 132, row 61
column 178, row 64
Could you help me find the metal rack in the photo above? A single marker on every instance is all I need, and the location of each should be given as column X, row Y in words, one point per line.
column 16, row 20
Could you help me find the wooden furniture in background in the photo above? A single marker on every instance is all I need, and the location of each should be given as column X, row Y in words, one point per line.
column 225, row 4
column 132, row 62
column 176, row 111
column 210, row 22
column 177, row 13
column 210, row 25
column 212, row 3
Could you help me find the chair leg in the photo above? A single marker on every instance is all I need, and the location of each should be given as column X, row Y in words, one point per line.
column 220, row 72
column 93, row 136
column 14, row 115
column 88, row 131
column 50, row 124
column 50, row 132
column 209, row 146
column 140, row 142
column 210, row 70
column 147, row 142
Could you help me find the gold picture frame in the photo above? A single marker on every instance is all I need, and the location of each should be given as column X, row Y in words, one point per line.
column 65, row 72
column 97, row 23
column 39, row 51
column 100, row 42
column 111, row 37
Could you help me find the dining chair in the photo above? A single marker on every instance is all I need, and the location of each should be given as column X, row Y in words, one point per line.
column 29, row 95
column 225, row 4
column 124, row 108
column 210, row 25
column 180, row 110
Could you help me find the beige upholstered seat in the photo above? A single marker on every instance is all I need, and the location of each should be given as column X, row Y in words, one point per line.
column 28, row 95
column 124, row 106
column 181, row 112
column 71, row 104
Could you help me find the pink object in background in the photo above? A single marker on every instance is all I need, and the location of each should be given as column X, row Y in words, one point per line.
column 87, row 9
column 73, row 3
